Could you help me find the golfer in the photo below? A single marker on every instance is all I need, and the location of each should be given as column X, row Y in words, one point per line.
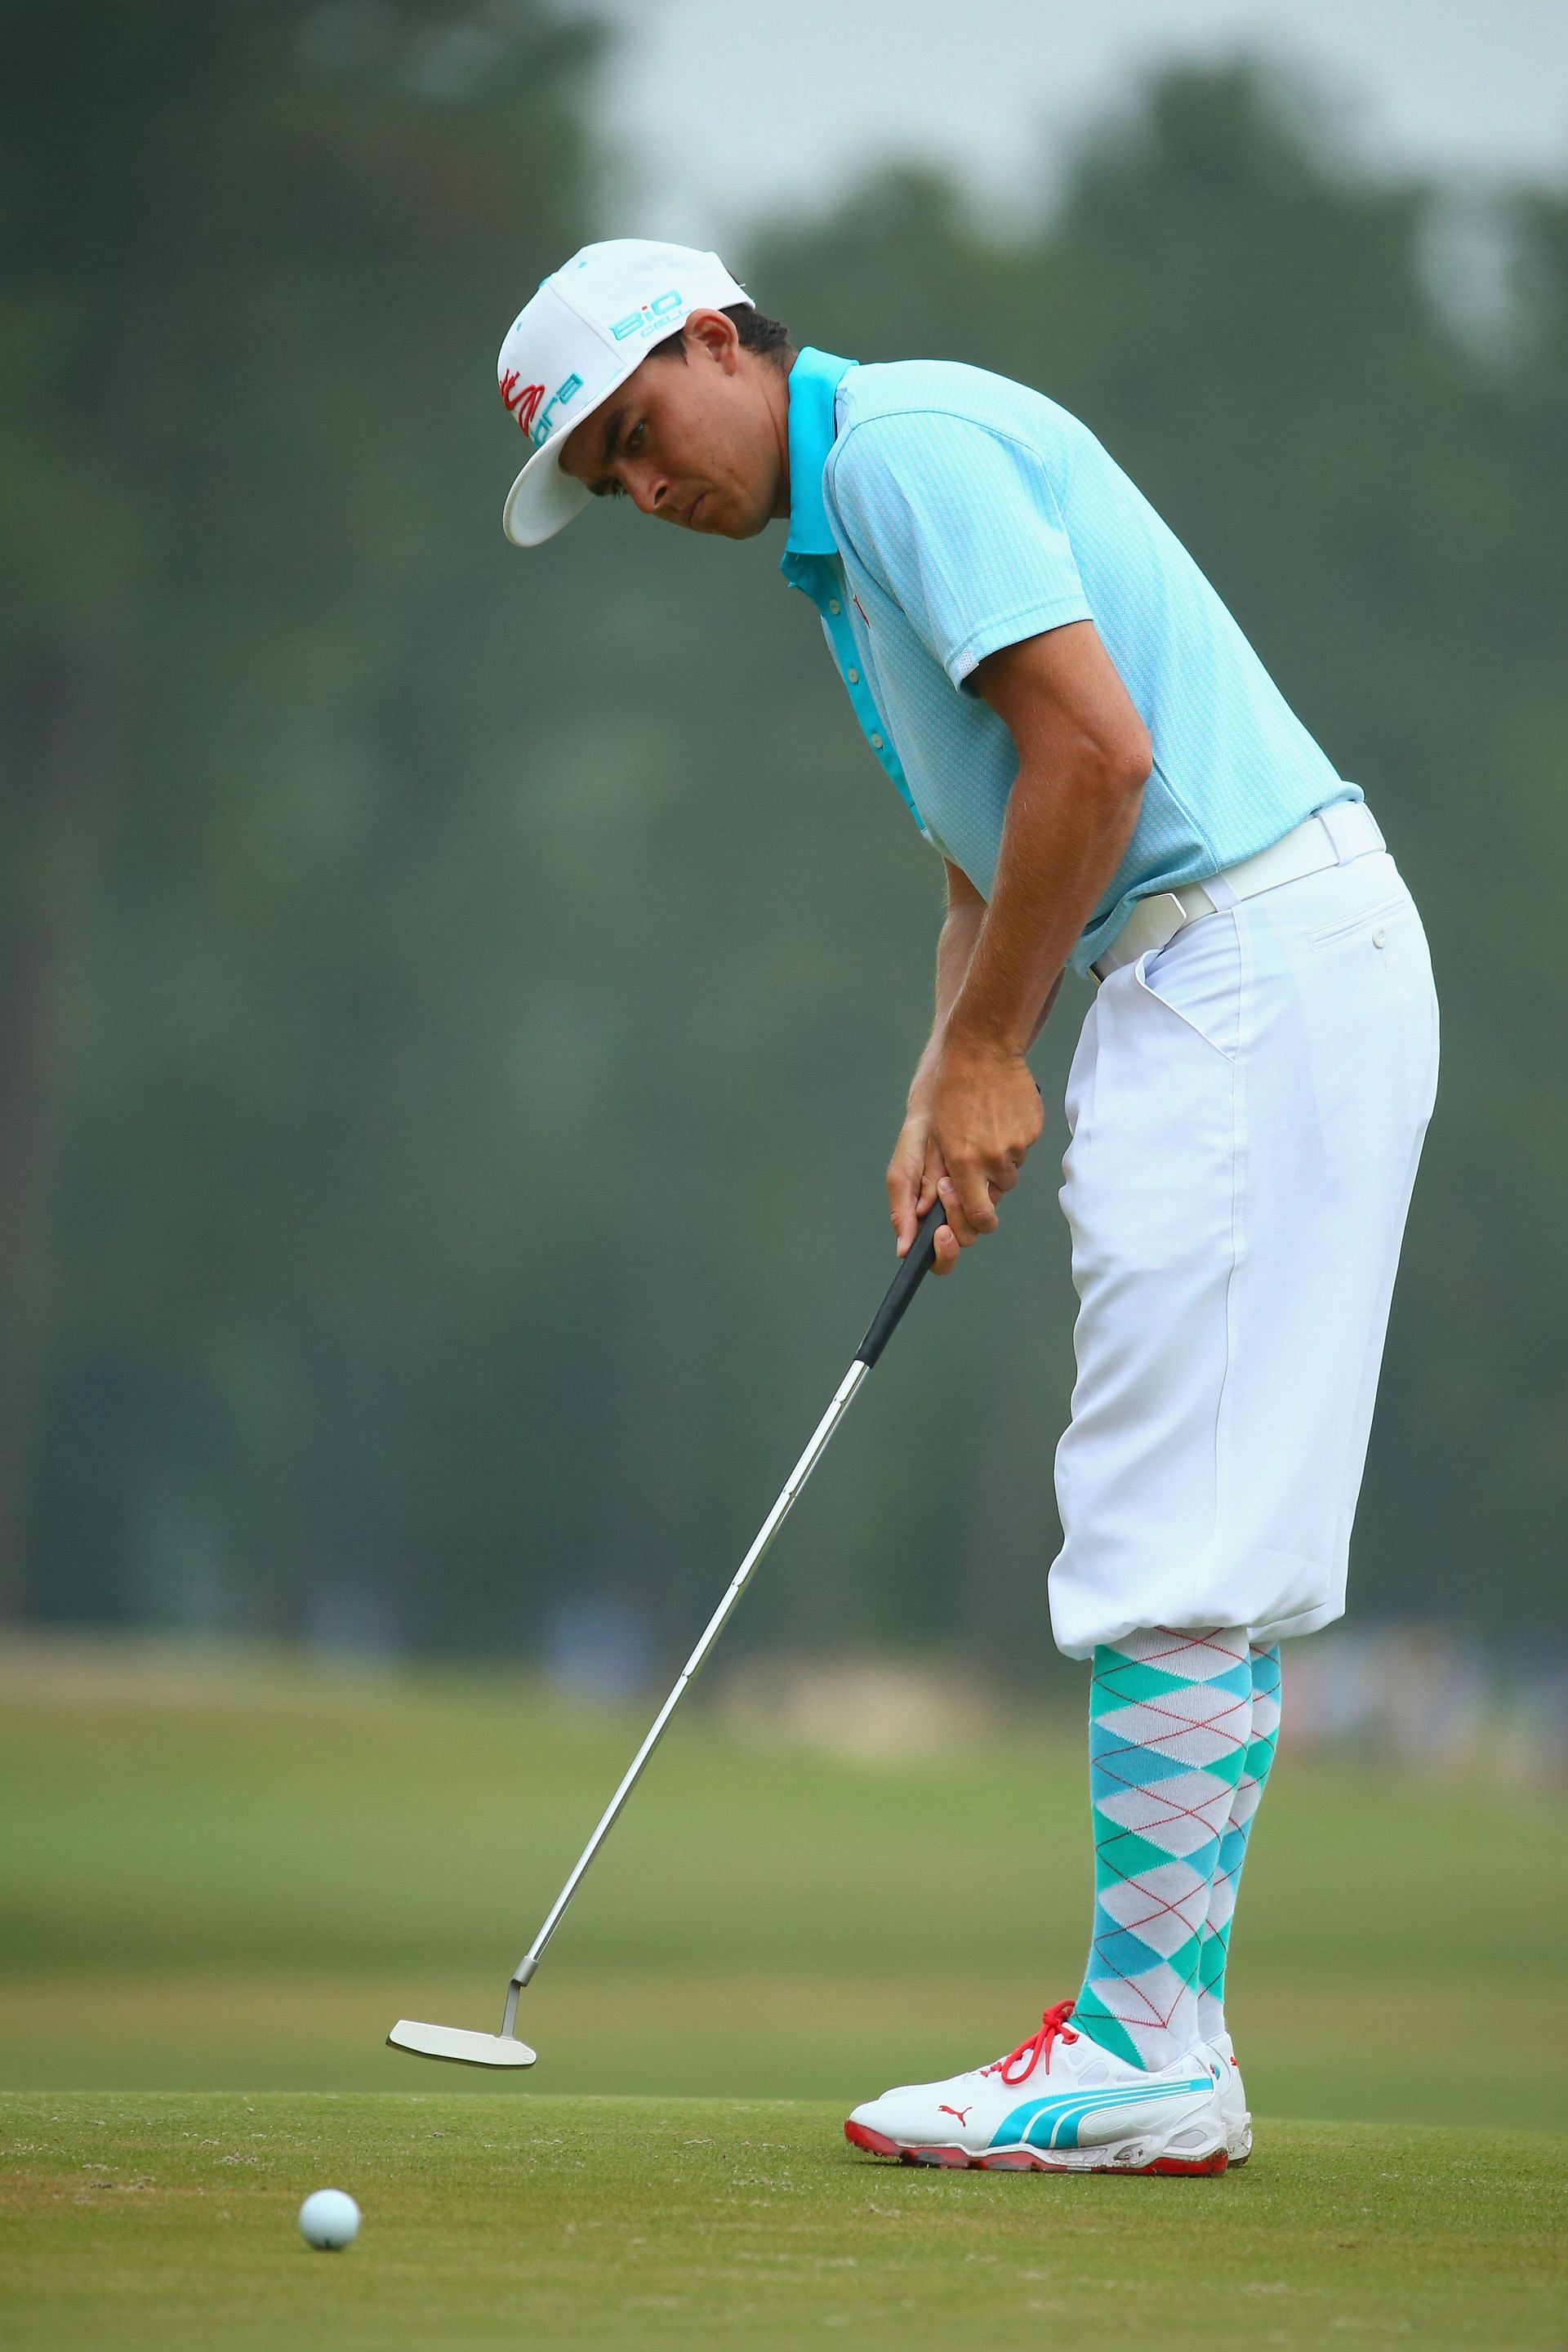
column 1116, row 788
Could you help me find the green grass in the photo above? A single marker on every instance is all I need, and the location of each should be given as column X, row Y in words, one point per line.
column 223, row 1880
column 232, row 1876
column 151, row 2224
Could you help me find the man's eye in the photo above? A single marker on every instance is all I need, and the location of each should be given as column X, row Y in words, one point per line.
column 634, row 437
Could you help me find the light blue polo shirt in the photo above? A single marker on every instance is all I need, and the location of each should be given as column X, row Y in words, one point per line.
column 938, row 512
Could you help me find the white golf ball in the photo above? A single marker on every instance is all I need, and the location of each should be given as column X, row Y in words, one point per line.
column 328, row 2219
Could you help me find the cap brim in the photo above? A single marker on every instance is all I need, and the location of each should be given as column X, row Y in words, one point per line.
column 543, row 500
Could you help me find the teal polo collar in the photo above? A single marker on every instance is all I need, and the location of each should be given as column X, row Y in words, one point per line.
column 811, row 560
column 813, row 383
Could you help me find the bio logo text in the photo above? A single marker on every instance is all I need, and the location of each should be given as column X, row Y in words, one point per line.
column 650, row 318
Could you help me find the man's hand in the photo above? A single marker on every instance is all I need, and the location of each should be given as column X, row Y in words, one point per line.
column 985, row 1114
column 911, row 1184
column 972, row 1120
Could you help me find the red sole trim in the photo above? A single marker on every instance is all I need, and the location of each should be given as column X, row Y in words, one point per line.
column 1023, row 2159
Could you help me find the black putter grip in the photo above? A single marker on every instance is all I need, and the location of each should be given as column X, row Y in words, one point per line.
column 917, row 1264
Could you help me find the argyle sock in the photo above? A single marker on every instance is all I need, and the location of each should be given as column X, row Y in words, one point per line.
column 1170, row 1716
column 1261, row 1746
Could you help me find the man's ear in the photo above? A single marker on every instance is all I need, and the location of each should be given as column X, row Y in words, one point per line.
column 710, row 335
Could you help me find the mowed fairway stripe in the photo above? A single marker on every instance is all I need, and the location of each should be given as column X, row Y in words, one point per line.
column 157, row 2223
column 1365, row 2048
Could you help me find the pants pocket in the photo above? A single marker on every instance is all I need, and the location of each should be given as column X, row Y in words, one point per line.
column 1199, row 980
column 1396, row 902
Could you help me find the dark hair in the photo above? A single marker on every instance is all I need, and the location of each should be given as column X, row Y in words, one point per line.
column 757, row 331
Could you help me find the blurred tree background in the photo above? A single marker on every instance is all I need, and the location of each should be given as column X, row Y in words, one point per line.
column 454, row 1005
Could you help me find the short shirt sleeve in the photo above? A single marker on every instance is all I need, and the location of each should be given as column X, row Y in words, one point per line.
column 961, row 527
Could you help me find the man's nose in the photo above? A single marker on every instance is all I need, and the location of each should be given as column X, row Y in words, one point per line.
column 650, row 489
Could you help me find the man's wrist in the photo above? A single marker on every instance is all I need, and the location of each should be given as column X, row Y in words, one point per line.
column 976, row 1033
column 918, row 1101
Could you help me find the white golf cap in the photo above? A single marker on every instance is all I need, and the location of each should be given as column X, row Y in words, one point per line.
column 585, row 331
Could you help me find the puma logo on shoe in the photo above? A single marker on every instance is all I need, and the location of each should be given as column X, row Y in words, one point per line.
column 961, row 2112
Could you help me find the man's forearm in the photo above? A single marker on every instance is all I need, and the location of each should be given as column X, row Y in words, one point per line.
column 1064, row 838
column 1084, row 756
column 954, row 951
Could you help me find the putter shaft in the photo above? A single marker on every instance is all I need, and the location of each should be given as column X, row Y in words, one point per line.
column 710, row 1632
column 915, row 1265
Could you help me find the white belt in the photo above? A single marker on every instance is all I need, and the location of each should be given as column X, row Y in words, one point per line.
column 1334, row 837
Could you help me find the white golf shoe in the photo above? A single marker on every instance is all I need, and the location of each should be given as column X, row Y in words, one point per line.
column 1057, row 2103
column 1232, row 2096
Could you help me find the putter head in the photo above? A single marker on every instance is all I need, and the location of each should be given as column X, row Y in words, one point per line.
column 463, row 2048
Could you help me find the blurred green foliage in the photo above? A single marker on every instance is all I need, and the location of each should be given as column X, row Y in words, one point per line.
column 456, row 1004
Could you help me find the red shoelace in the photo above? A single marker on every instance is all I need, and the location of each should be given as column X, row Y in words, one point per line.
column 1052, row 2027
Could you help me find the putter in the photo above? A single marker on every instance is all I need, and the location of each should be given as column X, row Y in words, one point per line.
column 504, row 2049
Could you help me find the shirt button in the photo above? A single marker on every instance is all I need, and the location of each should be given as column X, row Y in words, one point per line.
column 876, row 743
column 1380, row 938
column 834, row 605
column 853, row 675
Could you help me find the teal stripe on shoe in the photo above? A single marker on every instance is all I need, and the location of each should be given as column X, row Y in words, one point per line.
column 1055, row 2121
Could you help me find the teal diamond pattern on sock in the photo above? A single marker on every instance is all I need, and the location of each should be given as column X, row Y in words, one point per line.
column 1262, row 1738
column 1171, row 1716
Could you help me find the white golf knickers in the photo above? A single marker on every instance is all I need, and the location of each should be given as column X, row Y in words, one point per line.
column 1247, row 1107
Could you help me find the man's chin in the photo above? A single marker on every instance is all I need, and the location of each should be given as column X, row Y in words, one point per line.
column 716, row 517
column 749, row 525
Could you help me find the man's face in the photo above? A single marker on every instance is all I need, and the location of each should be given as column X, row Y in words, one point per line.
column 701, row 442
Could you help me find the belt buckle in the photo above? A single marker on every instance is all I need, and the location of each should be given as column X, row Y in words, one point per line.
column 1151, row 924
column 1166, row 916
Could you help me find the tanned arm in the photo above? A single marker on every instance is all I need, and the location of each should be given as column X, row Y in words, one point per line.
column 908, row 1194
column 1084, row 756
